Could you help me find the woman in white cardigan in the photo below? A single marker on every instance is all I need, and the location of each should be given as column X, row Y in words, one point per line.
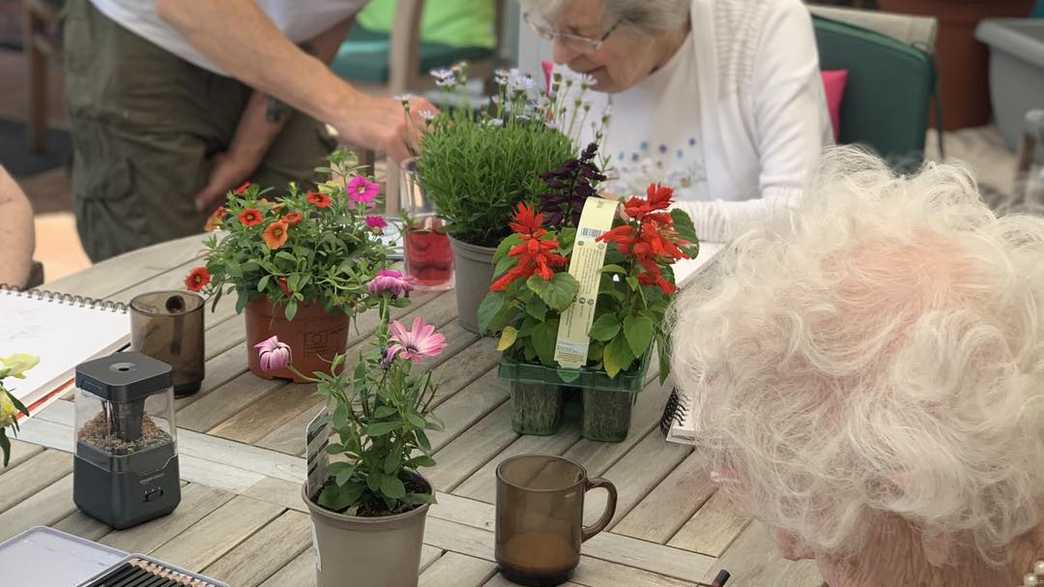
column 720, row 99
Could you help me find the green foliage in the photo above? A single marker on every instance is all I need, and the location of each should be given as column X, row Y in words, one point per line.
column 328, row 257
column 477, row 165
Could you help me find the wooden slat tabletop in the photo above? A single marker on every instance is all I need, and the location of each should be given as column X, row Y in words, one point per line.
column 241, row 518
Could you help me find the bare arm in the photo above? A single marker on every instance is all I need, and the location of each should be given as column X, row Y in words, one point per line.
column 241, row 39
column 17, row 240
column 262, row 120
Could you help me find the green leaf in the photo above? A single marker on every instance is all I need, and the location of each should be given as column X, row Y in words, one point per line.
column 263, row 282
column 416, row 421
column 505, row 246
column 633, row 282
column 507, row 338
column 392, row 487
column 566, row 236
column 5, row 446
column 422, row 440
column 638, row 330
column 683, row 226
column 342, row 471
column 605, row 327
column 291, row 310
column 613, row 269
column 617, row 356
column 338, row 498
column 335, row 448
column 294, row 282
column 419, row 499
column 488, row 310
column 381, row 428
column 421, row 461
column 392, row 461
column 544, row 337
column 384, row 412
column 503, row 265
column 536, row 308
column 241, row 303
column 558, row 293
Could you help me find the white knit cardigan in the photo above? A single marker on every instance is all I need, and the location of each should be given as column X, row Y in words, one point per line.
column 763, row 119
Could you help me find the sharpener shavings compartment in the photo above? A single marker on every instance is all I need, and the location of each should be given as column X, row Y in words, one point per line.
column 126, row 467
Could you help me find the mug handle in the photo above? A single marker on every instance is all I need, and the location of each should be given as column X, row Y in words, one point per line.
column 589, row 532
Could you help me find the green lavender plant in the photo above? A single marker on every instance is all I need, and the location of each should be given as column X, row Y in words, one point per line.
column 478, row 164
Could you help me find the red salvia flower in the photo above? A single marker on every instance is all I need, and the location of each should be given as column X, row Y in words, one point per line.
column 243, row 188
column 535, row 256
column 658, row 197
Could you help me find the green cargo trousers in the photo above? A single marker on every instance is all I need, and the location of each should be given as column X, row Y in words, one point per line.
column 145, row 127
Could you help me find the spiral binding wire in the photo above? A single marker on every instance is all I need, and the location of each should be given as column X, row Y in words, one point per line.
column 63, row 298
column 674, row 412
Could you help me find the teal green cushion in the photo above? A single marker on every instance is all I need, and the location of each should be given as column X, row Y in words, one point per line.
column 365, row 54
column 888, row 93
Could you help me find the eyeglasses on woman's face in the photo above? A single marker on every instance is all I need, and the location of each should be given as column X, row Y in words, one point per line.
column 578, row 43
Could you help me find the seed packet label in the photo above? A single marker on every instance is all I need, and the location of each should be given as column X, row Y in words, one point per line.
column 586, row 267
column 317, row 438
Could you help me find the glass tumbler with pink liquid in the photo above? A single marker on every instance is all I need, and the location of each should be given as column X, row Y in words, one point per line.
column 426, row 246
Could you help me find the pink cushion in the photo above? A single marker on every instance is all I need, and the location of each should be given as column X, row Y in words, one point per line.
column 834, row 81
column 548, row 68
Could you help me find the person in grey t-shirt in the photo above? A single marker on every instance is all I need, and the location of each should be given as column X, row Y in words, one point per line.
column 174, row 103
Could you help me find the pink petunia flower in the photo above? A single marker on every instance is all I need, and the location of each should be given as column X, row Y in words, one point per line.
column 377, row 223
column 419, row 343
column 362, row 190
column 272, row 354
column 392, row 282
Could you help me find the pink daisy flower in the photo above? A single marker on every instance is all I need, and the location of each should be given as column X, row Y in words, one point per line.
column 272, row 354
column 419, row 343
column 362, row 190
column 389, row 281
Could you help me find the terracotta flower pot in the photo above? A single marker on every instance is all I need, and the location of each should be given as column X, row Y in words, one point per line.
column 315, row 336
column 367, row 552
column 962, row 61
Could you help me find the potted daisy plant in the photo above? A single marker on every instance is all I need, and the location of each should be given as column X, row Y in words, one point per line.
column 299, row 263
column 370, row 510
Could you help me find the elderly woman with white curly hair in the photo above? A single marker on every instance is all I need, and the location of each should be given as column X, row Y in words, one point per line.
column 720, row 99
column 870, row 381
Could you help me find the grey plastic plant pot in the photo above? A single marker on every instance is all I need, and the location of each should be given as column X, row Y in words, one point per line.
column 1016, row 72
column 474, row 271
column 367, row 552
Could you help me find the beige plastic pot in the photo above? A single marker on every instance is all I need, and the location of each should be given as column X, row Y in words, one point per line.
column 366, row 552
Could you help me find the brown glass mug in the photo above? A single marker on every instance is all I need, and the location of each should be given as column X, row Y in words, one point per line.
column 168, row 326
column 540, row 514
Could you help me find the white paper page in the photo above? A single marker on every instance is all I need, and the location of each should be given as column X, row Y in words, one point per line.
column 61, row 334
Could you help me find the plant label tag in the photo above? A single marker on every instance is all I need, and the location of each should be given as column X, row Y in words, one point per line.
column 317, row 438
column 586, row 267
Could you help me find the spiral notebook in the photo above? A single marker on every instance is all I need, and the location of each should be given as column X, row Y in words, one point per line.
column 678, row 422
column 62, row 330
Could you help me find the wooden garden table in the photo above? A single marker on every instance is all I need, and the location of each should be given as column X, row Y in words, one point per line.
column 241, row 518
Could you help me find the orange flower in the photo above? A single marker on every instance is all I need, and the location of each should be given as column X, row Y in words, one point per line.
column 293, row 218
column 250, row 217
column 215, row 220
column 276, row 234
column 197, row 279
column 243, row 188
column 319, row 200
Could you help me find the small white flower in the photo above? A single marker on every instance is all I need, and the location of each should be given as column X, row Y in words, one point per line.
column 427, row 115
column 494, row 122
column 442, row 74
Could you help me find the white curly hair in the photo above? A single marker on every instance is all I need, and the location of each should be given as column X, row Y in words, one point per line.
column 882, row 355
